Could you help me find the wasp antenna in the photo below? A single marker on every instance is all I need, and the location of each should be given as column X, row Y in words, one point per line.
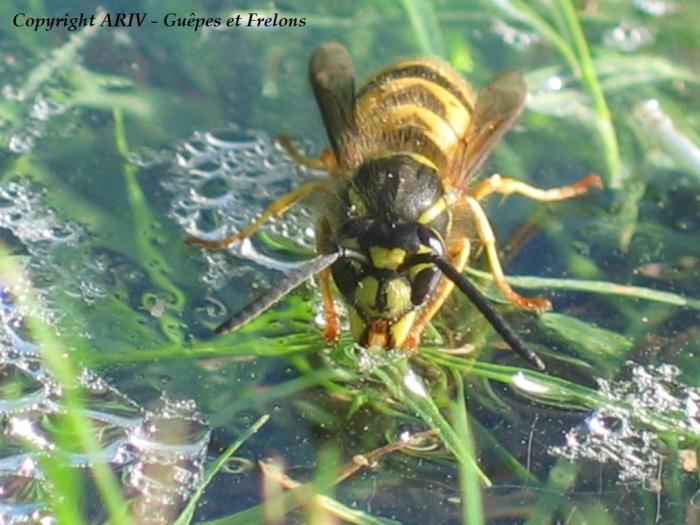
column 497, row 321
column 293, row 279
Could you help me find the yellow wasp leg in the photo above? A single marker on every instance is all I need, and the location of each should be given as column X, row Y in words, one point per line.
column 459, row 254
column 273, row 210
column 332, row 331
column 325, row 161
column 488, row 241
column 505, row 186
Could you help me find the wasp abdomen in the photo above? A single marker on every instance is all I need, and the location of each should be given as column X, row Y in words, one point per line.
column 417, row 107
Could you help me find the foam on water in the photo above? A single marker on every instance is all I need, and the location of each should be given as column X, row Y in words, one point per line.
column 157, row 453
column 655, row 7
column 622, row 433
column 171, row 444
column 160, row 451
column 514, row 37
column 220, row 182
column 40, row 110
column 628, row 36
column 41, row 234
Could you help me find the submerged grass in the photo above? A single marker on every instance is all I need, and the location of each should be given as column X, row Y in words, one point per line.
column 279, row 360
column 157, row 267
column 570, row 41
column 596, row 287
column 472, row 508
column 188, row 512
column 66, row 504
column 606, row 129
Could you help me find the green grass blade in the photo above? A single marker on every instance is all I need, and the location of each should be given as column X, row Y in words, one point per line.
column 424, row 21
column 598, row 287
column 605, row 126
column 153, row 261
column 596, row 344
column 472, row 507
column 188, row 512
column 408, row 387
column 522, row 11
column 58, row 361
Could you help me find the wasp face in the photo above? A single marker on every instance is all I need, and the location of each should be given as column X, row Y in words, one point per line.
column 384, row 289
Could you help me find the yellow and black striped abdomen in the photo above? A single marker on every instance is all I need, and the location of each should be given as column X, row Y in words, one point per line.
column 417, row 107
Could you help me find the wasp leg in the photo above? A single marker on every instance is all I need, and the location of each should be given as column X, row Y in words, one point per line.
column 273, row 210
column 459, row 255
column 506, row 186
column 332, row 331
column 325, row 161
column 488, row 241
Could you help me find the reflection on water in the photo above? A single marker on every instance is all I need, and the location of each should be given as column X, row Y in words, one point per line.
column 623, row 436
column 212, row 178
column 159, row 451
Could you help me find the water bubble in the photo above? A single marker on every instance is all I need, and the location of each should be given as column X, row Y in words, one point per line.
column 655, row 7
column 171, row 444
column 628, row 36
column 514, row 37
column 44, row 109
column 414, row 384
column 12, row 93
column 621, row 433
column 220, row 182
column 555, row 83
column 161, row 469
column 528, row 384
column 19, row 143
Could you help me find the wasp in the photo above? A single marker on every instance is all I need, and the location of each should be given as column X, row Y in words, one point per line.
column 399, row 206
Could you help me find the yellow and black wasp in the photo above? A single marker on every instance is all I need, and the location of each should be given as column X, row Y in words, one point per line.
column 398, row 206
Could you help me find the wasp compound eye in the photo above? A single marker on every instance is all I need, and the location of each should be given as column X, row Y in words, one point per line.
column 424, row 283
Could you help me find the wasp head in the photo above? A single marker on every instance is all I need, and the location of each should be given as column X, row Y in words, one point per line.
column 395, row 212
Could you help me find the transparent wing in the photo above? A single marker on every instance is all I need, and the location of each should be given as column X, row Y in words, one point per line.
column 332, row 78
column 498, row 106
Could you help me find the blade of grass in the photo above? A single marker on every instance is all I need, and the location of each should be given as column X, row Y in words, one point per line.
column 58, row 361
column 424, row 22
column 560, row 392
column 597, row 344
column 523, row 12
column 63, row 480
column 153, row 261
column 579, row 59
column 472, row 507
column 224, row 347
column 405, row 385
column 187, row 513
column 599, row 287
column 605, row 126
column 660, row 126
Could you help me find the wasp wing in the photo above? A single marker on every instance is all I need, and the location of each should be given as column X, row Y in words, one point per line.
column 332, row 78
column 498, row 105
column 293, row 279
